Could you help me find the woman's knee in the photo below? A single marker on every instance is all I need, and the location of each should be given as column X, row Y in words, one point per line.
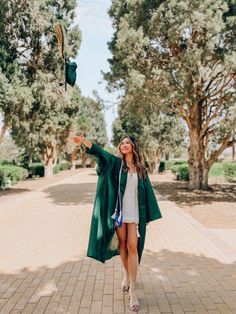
column 132, row 248
column 122, row 244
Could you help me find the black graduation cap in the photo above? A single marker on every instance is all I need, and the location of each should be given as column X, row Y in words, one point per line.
column 70, row 67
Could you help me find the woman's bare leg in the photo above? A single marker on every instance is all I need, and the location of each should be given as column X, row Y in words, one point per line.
column 132, row 246
column 122, row 236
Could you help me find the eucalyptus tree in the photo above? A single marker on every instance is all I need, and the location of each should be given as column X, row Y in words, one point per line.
column 91, row 123
column 158, row 134
column 33, row 69
column 180, row 55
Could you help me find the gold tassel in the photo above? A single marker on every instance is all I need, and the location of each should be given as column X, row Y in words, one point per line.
column 60, row 39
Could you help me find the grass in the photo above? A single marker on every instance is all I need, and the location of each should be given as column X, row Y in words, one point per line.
column 216, row 170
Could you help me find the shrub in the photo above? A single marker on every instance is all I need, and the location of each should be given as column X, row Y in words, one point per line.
column 36, row 169
column 5, row 162
column 230, row 171
column 64, row 166
column 161, row 166
column 181, row 171
column 11, row 174
column 170, row 163
column 56, row 169
column 184, row 172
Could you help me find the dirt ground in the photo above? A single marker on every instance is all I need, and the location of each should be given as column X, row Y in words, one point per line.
column 214, row 209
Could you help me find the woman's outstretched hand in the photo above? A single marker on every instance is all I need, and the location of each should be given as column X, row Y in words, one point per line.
column 77, row 139
column 80, row 139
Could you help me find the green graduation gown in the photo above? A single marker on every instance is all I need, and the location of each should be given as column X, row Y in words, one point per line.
column 103, row 241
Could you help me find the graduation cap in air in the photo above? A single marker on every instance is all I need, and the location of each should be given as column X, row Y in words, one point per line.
column 70, row 72
column 69, row 66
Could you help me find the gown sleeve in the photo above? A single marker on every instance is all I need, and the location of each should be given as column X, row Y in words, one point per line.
column 102, row 157
column 152, row 209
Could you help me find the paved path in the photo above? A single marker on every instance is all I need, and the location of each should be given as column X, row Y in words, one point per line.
column 186, row 268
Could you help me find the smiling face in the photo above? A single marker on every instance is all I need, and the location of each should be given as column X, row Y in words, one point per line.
column 126, row 146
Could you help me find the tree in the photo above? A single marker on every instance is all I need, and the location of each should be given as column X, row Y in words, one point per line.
column 9, row 151
column 90, row 122
column 41, row 114
column 181, row 56
column 157, row 133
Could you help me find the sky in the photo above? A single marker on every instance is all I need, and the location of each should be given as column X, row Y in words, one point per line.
column 96, row 28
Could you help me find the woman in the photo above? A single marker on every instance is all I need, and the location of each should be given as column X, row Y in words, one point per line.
column 125, row 202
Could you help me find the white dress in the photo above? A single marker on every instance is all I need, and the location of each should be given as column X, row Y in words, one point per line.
column 130, row 200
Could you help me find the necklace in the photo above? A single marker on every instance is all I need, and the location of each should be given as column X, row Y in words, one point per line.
column 133, row 171
column 131, row 168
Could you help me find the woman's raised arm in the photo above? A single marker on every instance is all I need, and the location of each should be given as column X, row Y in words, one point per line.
column 102, row 157
column 81, row 139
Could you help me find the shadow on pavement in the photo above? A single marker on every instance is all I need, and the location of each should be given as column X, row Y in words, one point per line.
column 168, row 281
column 12, row 191
column 178, row 193
column 73, row 194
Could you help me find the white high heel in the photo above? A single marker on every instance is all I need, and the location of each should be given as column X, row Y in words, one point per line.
column 125, row 284
column 133, row 300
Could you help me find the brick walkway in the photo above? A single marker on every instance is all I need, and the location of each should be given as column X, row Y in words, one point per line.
column 186, row 268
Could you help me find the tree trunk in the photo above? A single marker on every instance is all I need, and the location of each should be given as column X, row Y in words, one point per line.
column 3, row 132
column 30, row 158
column 73, row 165
column 73, row 160
column 167, row 156
column 233, row 146
column 83, row 160
column 48, row 171
column 50, row 160
column 198, row 167
column 152, row 166
column 153, row 160
column 157, row 163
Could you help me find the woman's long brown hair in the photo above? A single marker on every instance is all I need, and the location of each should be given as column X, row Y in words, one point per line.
column 141, row 170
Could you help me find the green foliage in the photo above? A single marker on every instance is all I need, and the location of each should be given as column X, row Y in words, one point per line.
column 230, row 171
column 36, row 169
column 11, row 174
column 179, row 56
column 32, row 102
column 170, row 163
column 64, row 166
column 56, row 169
column 5, row 162
column 154, row 130
column 9, row 150
column 161, row 166
column 181, row 171
column 216, row 169
column 90, row 122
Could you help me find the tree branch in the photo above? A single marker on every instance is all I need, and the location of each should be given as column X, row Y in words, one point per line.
column 183, row 112
column 211, row 81
column 231, row 143
column 216, row 153
column 33, row 66
column 223, row 86
column 208, row 120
